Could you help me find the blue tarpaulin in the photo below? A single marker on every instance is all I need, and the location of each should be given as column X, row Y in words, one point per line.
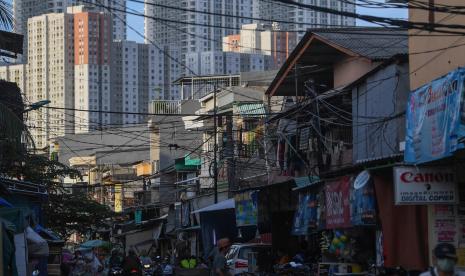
column 5, row 203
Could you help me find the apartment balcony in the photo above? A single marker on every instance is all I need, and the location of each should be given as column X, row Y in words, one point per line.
column 165, row 107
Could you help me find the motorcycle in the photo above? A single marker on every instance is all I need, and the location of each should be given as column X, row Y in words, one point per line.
column 147, row 270
column 116, row 270
column 135, row 272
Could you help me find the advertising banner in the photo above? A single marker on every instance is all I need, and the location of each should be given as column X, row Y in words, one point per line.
column 435, row 119
column 363, row 202
column 306, row 215
column 337, row 198
column 425, row 185
column 246, row 208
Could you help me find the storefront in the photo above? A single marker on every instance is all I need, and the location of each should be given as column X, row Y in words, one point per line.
column 352, row 223
column 336, row 218
column 434, row 145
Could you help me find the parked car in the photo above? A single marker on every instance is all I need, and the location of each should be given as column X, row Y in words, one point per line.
column 237, row 257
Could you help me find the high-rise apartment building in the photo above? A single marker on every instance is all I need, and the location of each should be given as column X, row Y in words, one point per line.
column 137, row 79
column 188, row 38
column 25, row 9
column 15, row 73
column 304, row 18
column 195, row 34
column 51, row 75
column 92, row 74
column 265, row 39
column 116, row 8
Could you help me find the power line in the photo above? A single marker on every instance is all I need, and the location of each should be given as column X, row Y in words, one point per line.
column 226, row 15
column 368, row 18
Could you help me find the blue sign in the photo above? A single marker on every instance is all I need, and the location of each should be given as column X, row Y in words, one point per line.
column 138, row 216
column 435, row 119
column 306, row 215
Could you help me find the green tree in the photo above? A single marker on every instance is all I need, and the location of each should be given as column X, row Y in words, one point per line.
column 75, row 213
column 6, row 15
column 65, row 213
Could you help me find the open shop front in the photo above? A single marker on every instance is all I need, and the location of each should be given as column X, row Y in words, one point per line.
column 276, row 207
column 351, row 225
column 336, row 225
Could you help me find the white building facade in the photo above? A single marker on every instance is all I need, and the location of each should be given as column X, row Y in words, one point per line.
column 25, row 9
column 92, row 73
column 51, row 75
column 197, row 37
column 16, row 73
column 137, row 79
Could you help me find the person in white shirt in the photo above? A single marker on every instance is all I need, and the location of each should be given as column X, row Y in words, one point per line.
column 444, row 260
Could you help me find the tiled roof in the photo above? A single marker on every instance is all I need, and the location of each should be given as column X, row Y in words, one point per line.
column 371, row 42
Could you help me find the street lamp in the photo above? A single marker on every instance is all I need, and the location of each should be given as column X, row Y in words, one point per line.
column 36, row 105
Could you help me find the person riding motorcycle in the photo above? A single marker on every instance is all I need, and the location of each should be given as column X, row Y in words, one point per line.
column 144, row 258
column 132, row 264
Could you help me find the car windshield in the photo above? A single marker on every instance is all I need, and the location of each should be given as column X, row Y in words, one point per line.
column 231, row 253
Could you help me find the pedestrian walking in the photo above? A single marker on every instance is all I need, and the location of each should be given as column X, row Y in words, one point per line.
column 219, row 267
column 444, row 260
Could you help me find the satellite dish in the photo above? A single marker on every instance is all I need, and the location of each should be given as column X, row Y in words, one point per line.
column 361, row 180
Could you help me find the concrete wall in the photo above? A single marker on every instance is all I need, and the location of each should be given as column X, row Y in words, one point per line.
column 167, row 130
column 425, row 67
column 351, row 69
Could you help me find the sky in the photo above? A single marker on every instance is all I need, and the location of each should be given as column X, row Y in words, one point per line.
column 138, row 22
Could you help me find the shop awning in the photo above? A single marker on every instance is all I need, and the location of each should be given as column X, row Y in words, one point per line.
column 305, row 182
column 47, row 234
column 5, row 203
column 192, row 228
column 251, row 109
column 37, row 246
column 227, row 204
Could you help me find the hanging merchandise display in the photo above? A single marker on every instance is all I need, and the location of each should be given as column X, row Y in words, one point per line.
column 340, row 245
column 306, row 215
column 363, row 201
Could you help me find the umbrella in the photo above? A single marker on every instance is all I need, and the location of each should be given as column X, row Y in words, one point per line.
column 94, row 243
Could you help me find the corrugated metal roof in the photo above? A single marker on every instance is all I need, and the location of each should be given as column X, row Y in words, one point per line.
column 373, row 43
column 251, row 109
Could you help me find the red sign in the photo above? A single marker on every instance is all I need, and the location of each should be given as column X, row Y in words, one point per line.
column 337, row 195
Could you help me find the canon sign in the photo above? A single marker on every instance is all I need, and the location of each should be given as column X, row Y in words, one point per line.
column 419, row 177
column 425, row 185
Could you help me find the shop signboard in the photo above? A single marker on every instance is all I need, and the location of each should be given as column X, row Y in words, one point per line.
column 425, row 185
column 435, row 119
column 447, row 225
column 246, row 208
column 337, row 199
column 118, row 198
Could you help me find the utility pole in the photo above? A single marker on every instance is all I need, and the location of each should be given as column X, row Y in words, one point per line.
column 265, row 143
column 229, row 155
column 215, row 148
